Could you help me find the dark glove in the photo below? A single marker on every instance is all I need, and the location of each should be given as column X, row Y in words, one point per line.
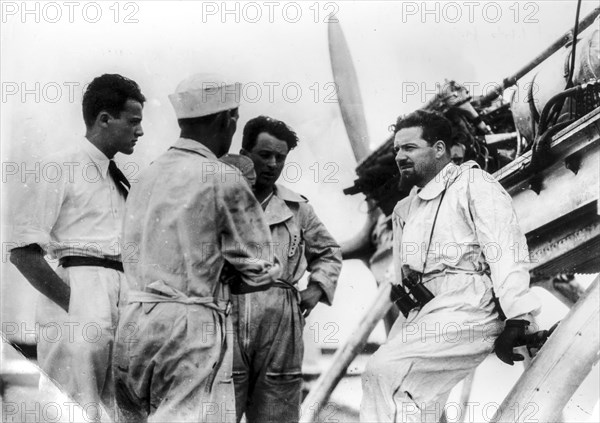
column 512, row 336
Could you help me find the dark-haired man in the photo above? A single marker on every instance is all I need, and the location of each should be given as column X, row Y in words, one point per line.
column 75, row 216
column 188, row 215
column 269, row 324
column 458, row 231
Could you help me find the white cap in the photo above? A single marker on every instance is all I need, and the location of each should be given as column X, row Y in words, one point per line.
column 203, row 95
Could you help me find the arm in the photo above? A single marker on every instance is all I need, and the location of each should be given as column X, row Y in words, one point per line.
column 324, row 258
column 31, row 263
column 504, row 244
column 245, row 236
column 39, row 206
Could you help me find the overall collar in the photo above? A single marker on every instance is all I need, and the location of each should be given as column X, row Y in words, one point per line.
column 442, row 180
column 188, row 144
column 277, row 210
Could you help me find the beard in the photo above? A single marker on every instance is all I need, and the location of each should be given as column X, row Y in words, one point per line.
column 407, row 179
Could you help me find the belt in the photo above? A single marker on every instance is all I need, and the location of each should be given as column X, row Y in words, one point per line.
column 71, row 261
column 164, row 293
column 280, row 283
column 433, row 275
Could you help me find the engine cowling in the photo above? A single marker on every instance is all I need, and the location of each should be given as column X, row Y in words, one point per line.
column 550, row 78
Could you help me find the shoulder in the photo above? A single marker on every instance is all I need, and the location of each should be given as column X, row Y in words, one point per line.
column 207, row 170
column 226, row 179
column 401, row 209
column 228, row 175
column 477, row 181
column 59, row 167
column 64, row 157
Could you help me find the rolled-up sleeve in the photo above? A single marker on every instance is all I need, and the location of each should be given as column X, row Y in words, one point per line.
column 503, row 245
column 37, row 210
column 323, row 254
column 245, row 239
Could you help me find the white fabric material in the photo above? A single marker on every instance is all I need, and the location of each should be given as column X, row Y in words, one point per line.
column 187, row 215
column 71, row 206
column 203, row 95
column 476, row 231
column 476, row 246
column 410, row 377
column 75, row 349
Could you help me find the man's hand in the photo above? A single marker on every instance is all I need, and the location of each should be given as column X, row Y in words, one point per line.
column 309, row 298
column 512, row 336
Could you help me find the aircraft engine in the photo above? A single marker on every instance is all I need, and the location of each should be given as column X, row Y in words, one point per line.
column 535, row 91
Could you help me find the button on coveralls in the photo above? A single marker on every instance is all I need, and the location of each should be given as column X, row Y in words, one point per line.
column 477, row 246
column 188, row 213
column 269, row 348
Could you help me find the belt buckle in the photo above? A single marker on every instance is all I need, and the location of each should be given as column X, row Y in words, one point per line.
column 228, row 308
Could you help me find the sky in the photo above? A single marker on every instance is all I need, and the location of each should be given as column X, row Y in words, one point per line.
column 400, row 49
column 279, row 51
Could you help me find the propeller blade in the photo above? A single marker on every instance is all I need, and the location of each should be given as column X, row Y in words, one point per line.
column 348, row 92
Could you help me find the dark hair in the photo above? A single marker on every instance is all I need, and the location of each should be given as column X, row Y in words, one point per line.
column 109, row 92
column 435, row 126
column 271, row 126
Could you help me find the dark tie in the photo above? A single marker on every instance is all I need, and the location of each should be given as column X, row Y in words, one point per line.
column 120, row 179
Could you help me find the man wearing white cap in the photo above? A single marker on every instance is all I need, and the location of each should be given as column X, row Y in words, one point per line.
column 186, row 216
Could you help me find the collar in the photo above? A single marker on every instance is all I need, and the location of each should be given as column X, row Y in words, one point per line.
column 198, row 147
column 277, row 210
column 97, row 156
column 442, row 180
column 287, row 194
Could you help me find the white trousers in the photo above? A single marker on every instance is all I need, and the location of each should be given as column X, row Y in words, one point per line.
column 410, row 377
column 75, row 349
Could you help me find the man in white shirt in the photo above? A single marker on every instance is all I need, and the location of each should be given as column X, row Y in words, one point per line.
column 74, row 214
column 457, row 235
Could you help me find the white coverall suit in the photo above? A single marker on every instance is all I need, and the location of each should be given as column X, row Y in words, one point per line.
column 268, row 350
column 186, row 216
column 476, row 247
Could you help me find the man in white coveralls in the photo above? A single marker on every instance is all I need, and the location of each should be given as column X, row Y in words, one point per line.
column 458, row 234
column 188, row 214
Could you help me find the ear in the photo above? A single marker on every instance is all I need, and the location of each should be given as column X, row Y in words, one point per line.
column 440, row 149
column 103, row 118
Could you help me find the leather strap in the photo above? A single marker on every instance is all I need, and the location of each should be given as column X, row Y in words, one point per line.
column 71, row 261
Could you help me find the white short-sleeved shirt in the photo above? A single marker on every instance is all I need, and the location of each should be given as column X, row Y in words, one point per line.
column 71, row 206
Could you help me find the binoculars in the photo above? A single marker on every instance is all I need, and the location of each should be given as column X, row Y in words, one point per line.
column 411, row 294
